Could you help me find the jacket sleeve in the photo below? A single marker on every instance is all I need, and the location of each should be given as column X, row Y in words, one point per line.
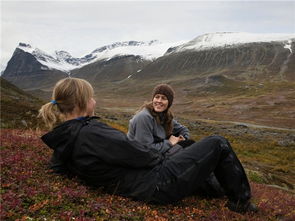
column 113, row 147
column 179, row 129
column 143, row 133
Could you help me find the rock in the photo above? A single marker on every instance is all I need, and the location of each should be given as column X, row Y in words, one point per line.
column 241, row 126
column 209, row 105
column 287, row 142
column 24, row 123
column 112, row 117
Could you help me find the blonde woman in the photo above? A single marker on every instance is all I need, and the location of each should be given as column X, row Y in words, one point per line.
column 103, row 156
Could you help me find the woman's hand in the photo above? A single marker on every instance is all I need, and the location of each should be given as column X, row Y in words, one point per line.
column 174, row 140
column 181, row 138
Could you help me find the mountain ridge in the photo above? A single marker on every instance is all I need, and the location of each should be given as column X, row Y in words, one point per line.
column 231, row 39
column 64, row 61
column 123, row 62
column 151, row 50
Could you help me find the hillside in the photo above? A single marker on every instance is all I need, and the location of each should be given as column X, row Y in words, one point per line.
column 260, row 61
column 18, row 108
column 31, row 192
column 114, row 70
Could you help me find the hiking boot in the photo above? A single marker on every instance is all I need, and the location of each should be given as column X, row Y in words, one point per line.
column 242, row 207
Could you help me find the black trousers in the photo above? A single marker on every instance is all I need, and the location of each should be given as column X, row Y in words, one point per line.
column 208, row 167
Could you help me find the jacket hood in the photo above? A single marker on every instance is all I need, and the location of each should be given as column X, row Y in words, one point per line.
column 61, row 139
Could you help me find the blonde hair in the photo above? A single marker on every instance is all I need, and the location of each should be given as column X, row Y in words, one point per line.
column 67, row 94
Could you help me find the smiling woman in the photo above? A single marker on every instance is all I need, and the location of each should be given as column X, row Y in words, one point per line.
column 154, row 125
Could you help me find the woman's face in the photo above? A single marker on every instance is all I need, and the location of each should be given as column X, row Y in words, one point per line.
column 160, row 103
column 91, row 107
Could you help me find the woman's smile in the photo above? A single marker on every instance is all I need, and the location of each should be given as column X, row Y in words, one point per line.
column 160, row 103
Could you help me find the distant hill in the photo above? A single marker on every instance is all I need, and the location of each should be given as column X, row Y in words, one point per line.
column 18, row 108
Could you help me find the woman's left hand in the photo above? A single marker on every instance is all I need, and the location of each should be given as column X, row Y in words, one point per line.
column 181, row 138
column 174, row 140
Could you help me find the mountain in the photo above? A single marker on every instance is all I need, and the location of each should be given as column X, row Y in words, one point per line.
column 236, row 56
column 64, row 61
column 31, row 63
column 26, row 71
column 239, row 56
column 231, row 39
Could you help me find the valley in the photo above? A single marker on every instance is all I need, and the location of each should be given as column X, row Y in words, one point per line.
column 271, row 105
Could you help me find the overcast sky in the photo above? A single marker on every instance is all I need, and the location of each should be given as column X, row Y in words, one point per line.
column 79, row 27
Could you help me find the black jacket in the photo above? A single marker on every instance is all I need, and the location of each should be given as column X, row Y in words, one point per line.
column 103, row 156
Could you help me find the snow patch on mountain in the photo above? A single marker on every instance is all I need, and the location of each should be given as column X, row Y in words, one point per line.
column 59, row 60
column 62, row 60
column 229, row 39
column 288, row 46
column 147, row 50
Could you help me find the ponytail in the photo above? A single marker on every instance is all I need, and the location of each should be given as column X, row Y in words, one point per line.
column 50, row 114
column 68, row 94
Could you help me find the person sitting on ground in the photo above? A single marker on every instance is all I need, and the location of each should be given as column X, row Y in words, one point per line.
column 154, row 126
column 103, row 156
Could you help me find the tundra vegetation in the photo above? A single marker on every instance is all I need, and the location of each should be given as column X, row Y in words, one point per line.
column 30, row 191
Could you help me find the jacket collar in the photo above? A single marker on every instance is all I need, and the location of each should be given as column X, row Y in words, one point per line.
column 64, row 134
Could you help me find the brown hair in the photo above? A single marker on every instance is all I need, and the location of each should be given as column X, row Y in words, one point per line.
column 68, row 94
column 166, row 90
column 164, row 118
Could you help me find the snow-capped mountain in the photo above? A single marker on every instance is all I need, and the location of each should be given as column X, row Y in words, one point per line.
column 151, row 50
column 231, row 39
column 236, row 56
column 62, row 60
